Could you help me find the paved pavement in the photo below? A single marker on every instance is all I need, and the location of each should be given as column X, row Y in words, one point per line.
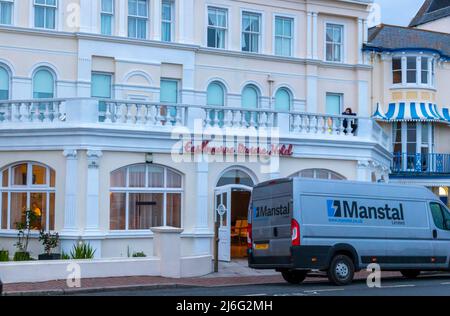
column 231, row 274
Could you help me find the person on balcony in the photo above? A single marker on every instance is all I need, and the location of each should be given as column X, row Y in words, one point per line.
column 353, row 124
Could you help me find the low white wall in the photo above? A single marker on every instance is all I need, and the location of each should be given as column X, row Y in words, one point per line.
column 40, row 271
column 196, row 266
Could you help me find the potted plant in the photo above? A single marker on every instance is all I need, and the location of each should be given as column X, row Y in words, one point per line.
column 29, row 221
column 49, row 241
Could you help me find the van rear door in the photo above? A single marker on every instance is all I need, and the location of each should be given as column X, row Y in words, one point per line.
column 271, row 215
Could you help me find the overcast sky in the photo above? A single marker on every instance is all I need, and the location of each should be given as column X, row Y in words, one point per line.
column 398, row 12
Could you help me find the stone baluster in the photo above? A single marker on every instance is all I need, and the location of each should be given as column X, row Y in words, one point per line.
column 179, row 116
column 140, row 115
column 27, row 117
column 158, row 116
column 129, row 113
column 263, row 119
column 46, row 114
column 108, row 114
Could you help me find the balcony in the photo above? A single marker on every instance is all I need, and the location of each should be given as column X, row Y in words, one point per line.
column 420, row 165
column 87, row 116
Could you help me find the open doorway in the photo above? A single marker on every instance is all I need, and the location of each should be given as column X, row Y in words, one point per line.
column 240, row 200
column 232, row 199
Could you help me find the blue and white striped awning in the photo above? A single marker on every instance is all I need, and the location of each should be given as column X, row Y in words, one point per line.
column 412, row 111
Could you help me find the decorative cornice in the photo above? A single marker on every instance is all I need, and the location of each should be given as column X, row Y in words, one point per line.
column 93, row 157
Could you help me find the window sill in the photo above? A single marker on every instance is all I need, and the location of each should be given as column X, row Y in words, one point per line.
column 412, row 87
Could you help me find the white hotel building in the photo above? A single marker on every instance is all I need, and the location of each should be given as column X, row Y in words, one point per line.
column 114, row 78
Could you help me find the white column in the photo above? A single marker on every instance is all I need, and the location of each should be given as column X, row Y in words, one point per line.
column 363, row 171
column 404, row 72
column 308, row 35
column 311, row 89
column 84, row 77
column 314, row 35
column 155, row 14
column 123, row 16
column 363, row 96
column 419, row 70
column 184, row 21
column 92, row 191
column 85, row 19
column 360, row 40
column 202, row 197
column 70, row 203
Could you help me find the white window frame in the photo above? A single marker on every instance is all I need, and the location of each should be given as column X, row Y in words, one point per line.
column 55, row 80
column 419, row 142
column 146, row 190
column 404, row 70
column 171, row 21
column 260, row 34
column 110, row 14
column 34, row 5
column 343, row 42
column 225, row 29
column 12, row 11
column 138, row 17
column 28, row 189
column 292, row 38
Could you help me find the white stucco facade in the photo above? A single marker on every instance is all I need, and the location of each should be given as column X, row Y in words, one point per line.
column 84, row 146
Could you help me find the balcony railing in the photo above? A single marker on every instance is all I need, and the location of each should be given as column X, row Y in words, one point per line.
column 420, row 164
column 130, row 115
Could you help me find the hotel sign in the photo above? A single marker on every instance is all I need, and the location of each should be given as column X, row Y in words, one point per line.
column 206, row 147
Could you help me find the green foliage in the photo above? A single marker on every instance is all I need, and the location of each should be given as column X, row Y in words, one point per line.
column 49, row 240
column 139, row 255
column 65, row 256
column 4, row 255
column 29, row 221
column 22, row 256
column 82, row 251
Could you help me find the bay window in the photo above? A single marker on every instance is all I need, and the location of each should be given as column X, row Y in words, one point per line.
column 144, row 196
column 413, row 145
column 45, row 14
column 6, row 9
column 27, row 186
column 413, row 71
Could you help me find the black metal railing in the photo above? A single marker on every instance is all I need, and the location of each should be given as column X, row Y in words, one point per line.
column 420, row 164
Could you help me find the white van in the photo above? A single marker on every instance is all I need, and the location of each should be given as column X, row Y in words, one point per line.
column 298, row 225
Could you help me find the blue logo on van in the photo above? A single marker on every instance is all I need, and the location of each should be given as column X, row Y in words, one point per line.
column 353, row 212
column 333, row 209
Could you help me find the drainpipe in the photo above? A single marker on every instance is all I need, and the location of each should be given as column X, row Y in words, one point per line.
column 1, row 288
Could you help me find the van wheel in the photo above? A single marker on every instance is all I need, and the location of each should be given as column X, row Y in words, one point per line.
column 410, row 274
column 294, row 276
column 341, row 270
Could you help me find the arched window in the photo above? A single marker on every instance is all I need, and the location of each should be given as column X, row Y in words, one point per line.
column 4, row 83
column 144, row 196
column 235, row 176
column 43, row 84
column 283, row 100
column 27, row 186
column 319, row 174
column 250, row 97
column 216, row 94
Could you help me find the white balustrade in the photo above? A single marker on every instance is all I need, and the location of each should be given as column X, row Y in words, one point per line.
column 141, row 113
column 42, row 111
column 322, row 124
column 239, row 118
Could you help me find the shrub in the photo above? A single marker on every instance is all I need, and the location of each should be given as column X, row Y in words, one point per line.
column 82, row 251
column 65, row 256
column 139, row 255
column 22, row 256
column 49, row 241
column 4, row 255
